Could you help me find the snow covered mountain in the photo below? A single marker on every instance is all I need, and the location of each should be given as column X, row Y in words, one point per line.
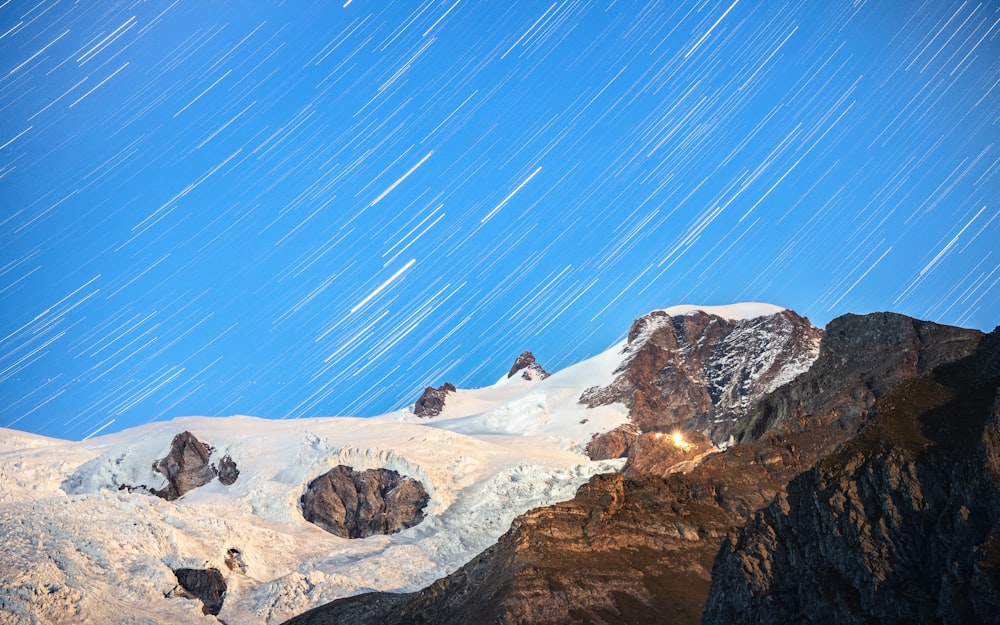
column 86, row 540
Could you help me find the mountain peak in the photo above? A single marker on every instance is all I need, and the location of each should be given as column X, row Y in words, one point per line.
column 528, row 367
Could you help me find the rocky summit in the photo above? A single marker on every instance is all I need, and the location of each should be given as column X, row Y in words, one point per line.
column 528, row 369
column 703, row 371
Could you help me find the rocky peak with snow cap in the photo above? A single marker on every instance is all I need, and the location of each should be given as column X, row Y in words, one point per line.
column 431, row 401
column 528, row 367
column 702, row 368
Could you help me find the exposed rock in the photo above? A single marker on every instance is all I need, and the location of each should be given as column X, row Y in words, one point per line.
column 663, row 453
column 186, row 466
column 613, row 443
column 900, row 526
column 702, row 372
column 529, row 369
column 431, row 401
column 357, row 504
column 862, row 357
column 227, row 470
column 631, row 548
column 206, row 585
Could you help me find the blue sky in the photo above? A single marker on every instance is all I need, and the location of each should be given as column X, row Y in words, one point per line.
column 314, row 208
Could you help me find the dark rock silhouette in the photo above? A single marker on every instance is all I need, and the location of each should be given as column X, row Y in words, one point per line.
column 186, row 466
column 357, row 504
column 206, row 585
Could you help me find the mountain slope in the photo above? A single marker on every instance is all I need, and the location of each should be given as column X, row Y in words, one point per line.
column 639, row 548
column 900, row 526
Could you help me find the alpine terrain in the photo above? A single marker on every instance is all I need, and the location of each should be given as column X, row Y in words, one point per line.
column 718, row 465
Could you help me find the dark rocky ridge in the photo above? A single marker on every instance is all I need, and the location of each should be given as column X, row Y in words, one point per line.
column 639, row 548
column 187, row 467
column 902, row 525
column 529, row 369
column 357, row 504
column 862, row 357
column 431, row 401
column 703, row 372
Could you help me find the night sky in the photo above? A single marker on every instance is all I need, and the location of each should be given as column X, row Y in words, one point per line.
column 318, row 208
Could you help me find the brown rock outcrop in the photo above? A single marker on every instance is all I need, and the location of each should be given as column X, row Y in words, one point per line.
column 186, row 466
column 702, row 372
column 357, row 504
column 431, row 401
column 614, row 443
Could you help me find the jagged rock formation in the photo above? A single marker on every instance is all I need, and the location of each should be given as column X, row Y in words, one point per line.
column 187, row 467
column 357, row 504
column 862, row 357
column 639, row 548
column 206, row 585
column 431, row 401
column 699, row 371
column 902, row 525
column 529, row 369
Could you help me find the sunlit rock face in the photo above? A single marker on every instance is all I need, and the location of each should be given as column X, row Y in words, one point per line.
column 902, row 525
column 357, row 504
column 701, row 371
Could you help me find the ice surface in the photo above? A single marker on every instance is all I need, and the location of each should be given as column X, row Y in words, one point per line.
column 78, row 545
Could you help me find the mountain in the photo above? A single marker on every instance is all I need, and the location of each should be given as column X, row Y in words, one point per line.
column 901, row 525
column 701, row 368
column 600, row 493
column 638, row 548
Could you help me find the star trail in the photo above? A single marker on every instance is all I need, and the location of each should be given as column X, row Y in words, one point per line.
column 312, row 208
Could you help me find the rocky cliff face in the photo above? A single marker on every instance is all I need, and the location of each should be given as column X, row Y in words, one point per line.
column 702, row 372
column 357, row 504
column 902, row 525
column 187, row 466
column 861, row 357
column 639, row 547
